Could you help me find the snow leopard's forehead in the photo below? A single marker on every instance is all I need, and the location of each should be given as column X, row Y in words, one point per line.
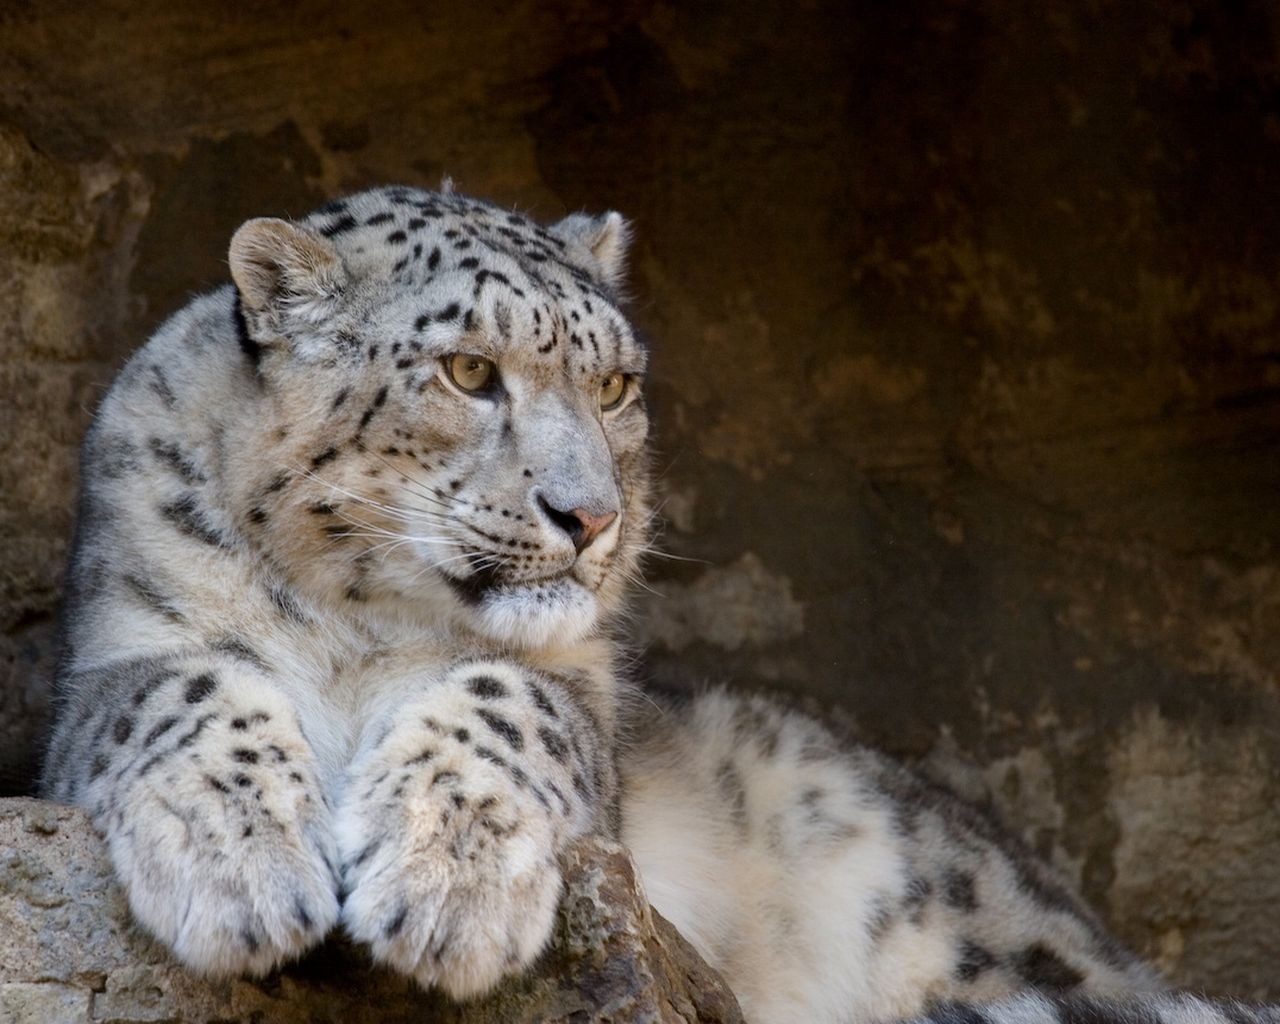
column 435, row 265
column 415, row 233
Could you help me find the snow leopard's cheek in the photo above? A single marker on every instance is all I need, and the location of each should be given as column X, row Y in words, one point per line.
column 628, row 431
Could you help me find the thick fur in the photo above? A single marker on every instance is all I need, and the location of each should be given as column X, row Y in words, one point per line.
column 337, row 649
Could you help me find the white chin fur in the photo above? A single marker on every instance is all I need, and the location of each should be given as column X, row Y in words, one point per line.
column 536, row 616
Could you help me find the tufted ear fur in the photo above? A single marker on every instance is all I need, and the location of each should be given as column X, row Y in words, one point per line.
column 606, row 237
column 288, row 277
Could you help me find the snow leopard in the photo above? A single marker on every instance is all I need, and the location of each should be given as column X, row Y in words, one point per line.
column 342, row 648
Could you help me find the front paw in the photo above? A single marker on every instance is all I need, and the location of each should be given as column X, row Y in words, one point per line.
column 456, row 888
column 233, row 873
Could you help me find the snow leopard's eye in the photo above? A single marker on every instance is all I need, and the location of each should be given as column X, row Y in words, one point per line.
column 470, row 372
column 612, row 390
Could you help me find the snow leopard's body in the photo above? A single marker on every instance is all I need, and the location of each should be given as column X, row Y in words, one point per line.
column 337, row 649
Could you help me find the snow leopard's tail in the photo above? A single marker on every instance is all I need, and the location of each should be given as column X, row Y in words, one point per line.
column 1170, row 1008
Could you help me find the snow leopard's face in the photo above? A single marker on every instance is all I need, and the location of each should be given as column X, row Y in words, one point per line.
column 462, row 396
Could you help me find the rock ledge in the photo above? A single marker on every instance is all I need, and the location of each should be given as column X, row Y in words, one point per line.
column 69, row 952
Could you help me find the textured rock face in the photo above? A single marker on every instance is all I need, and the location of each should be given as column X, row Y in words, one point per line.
column 69, row 953
column 966, row 370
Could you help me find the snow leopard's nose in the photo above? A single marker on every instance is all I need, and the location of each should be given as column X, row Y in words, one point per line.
column 582, row 526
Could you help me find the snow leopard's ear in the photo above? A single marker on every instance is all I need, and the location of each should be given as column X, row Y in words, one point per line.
column 288, row 276
column 606, row 237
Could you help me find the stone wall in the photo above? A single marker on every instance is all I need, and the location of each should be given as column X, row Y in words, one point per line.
column 967, row 370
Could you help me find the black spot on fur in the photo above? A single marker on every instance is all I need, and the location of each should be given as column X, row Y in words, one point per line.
column 397, row 237
column 200, row 687
column 286, row 605
column 972, row 960
column 159, row 729
column 396, row 923
column 368, row 851
column 245, row 755
column 144, row 693
column 328, row 455
column 217, row 784
column 486, row 687
column 339, row 226
column 541, row 701
column 958, row 890
column 116, row 456
column 1042, row 968
column 916, row 896
column 238, row 647
column 491, row 756
column 189, row 737
column 380, row 218
column 502, row 727
column 170, row 456
column 152, row 598
column 123, row 729
column 881, row 919
column 554, row 744
column 251, row 349
column 186, row 515
column 159, row 383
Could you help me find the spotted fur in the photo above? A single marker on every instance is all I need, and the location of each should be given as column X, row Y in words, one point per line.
column 338, row 648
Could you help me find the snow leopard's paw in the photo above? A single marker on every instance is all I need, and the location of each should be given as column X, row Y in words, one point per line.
column 452, row 877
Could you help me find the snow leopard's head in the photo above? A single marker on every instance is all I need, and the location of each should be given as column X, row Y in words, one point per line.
column 461, row 395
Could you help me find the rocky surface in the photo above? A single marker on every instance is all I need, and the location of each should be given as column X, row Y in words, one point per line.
column 966, row 372
column 68, row 952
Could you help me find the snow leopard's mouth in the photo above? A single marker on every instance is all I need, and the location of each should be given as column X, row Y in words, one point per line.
column 489, row 581
column 473, row 589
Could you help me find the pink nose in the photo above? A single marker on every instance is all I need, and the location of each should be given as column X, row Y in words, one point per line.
column 582, row 526
column 592, row 526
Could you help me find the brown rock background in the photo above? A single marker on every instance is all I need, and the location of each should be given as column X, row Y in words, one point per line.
column 967, row 363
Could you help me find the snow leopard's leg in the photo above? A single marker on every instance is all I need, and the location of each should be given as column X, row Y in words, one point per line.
column 453, row 815
column 195, row 769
